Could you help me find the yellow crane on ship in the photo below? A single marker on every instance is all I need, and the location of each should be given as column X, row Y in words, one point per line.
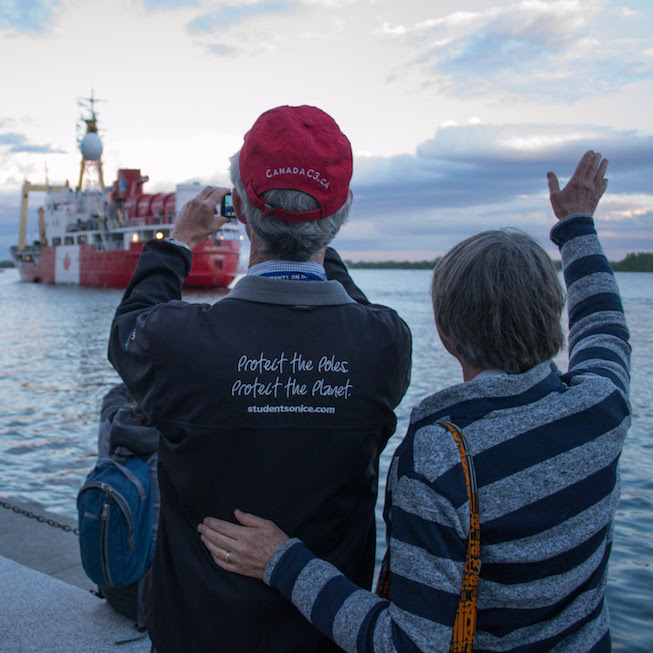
column 28, row 187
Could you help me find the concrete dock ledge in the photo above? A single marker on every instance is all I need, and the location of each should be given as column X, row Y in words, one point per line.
column 45, row 598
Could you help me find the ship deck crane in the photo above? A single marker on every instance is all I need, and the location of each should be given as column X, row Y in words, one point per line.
column 27, row 188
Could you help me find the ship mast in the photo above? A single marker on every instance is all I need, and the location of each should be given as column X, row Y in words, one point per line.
column 90, row 169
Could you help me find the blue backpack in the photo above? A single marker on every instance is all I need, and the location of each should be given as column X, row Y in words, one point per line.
column 115, row 508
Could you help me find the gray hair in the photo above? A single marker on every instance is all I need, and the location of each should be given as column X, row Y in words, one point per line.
column 497, row 299
column 293, row 241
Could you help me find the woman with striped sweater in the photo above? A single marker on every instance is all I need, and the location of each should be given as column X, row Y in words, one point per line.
column 545, row 446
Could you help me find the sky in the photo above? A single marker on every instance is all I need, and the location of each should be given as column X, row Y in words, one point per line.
column 455, row 110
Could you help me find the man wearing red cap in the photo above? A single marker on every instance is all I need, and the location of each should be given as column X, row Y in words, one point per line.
column 281, row 394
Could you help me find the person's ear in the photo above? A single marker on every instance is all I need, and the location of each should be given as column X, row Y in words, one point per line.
column 238, row 206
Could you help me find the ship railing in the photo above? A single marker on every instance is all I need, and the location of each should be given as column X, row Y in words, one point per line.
column 150, row 221
column 163, row 220
column 137, row 222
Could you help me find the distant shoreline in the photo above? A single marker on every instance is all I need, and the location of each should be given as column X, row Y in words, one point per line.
column 634, row 262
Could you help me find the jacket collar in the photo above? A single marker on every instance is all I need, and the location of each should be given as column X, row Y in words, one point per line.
column 284, row 292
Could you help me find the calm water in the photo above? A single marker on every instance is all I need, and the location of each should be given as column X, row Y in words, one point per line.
column 54, row 373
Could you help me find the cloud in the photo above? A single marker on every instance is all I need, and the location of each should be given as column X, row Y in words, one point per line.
column 473, row 177
column 630, row 13
column 17, row 143
column 37, row 149
column 11, row 139
column 17, row 163
column 471, row 165
column 222, row 34
column 221, row 49
column 530, row 49
column 229, row 15
column 533, row 143
column 162, row 5
column 29, row 16
column 334, row 4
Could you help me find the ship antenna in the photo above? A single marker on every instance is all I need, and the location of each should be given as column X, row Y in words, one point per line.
column 90, row 144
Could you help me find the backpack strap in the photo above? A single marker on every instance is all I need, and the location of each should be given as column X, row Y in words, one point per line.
column 141, row 618
column 129, row 474
column 464, row 627
column 383, row 584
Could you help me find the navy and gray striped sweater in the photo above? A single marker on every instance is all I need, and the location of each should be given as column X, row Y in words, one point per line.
column 546, row 447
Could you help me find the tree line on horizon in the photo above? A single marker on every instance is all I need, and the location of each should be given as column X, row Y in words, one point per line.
column 634, row 262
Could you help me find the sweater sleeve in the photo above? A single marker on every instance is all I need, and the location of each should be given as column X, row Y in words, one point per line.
column 427, row 564
column 114, row 400
column 598, row 335
column 336, row 270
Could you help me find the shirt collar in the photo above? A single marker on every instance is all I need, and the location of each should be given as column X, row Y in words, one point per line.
column 296, row 270
column 488, row 373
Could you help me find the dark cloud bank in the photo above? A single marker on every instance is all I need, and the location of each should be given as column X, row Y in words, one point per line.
column 468, row 178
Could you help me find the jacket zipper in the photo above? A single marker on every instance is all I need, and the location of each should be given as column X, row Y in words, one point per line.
column 104, row 532
column 122, row 504
column 111, row 496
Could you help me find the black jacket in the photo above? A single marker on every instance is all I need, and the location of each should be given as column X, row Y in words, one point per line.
column 277, row 400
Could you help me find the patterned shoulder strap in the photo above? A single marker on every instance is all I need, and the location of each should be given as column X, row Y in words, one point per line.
column 464, row 627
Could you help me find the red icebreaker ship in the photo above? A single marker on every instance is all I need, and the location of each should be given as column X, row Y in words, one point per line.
column 93, row 236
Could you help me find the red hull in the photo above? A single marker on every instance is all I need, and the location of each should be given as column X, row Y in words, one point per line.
column 214, row 265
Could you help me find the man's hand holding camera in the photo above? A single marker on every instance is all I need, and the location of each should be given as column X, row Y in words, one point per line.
column 198, row 219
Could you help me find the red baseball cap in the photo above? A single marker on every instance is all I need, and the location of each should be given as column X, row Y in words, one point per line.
column 301, row 148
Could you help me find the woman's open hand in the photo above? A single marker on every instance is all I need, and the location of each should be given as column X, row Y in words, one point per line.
column 583, row 191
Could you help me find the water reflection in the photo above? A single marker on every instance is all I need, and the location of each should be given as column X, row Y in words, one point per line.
column 54, row 373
